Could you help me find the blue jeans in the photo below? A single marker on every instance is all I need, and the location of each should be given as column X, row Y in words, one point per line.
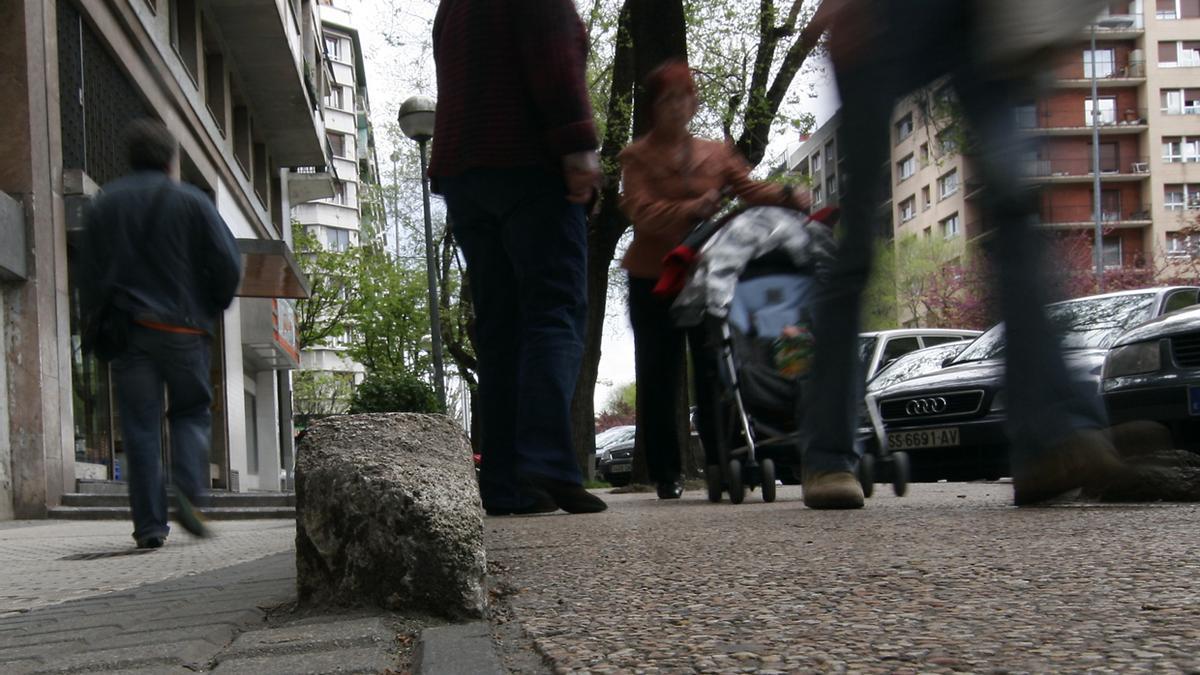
column 916, row 41
column 180, row 363
column 526, row 253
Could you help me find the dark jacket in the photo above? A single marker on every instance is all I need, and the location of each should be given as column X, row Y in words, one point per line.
column 512, row 90
column 178, row 265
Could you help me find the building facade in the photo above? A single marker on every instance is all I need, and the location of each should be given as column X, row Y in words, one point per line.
column 337, row 222
column 239, row 83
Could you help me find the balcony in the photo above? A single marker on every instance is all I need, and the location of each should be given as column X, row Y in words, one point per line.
column 1079, row 169
column 1075, row 121
column 1083, row 216
column 1078, row 75
column 260, row 40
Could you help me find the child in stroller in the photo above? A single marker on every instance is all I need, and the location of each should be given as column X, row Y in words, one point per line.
column 751, row 279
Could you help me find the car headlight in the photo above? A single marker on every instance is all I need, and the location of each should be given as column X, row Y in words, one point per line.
column 1141, row 357
column 607, row 456
column 999, row 401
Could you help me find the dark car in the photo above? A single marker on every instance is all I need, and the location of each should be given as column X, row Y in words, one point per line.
column 616, row 462
column 1153, row 373
column 951, row 422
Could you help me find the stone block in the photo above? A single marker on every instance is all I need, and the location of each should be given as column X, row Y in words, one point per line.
column 342, row 661
column 327, row 635
column 464, row 648
column 388, row 514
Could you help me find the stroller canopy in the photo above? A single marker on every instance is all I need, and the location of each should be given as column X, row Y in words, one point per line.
column 745, row 237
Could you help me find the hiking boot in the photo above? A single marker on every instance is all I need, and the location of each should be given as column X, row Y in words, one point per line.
column 832, row 490
column 189, row 518
column 1084, row 459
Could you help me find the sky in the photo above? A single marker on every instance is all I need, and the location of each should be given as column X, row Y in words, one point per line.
column 400, row 67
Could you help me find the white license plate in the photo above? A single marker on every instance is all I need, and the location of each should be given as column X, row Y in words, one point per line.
column 620, row 468
column 946, row 437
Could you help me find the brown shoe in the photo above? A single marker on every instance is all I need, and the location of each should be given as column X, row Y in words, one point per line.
column 1085, row 459
column 832, row 490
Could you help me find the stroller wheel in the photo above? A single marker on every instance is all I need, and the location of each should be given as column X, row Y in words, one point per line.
column 767, row 468
column 712, row 479
column 900, row 472
column 737, row 488
column 866, row 474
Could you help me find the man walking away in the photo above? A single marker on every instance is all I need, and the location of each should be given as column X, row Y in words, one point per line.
column 160, row 258
column 514, row 156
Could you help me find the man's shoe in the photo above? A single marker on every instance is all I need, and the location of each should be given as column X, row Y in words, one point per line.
column 1085, row 459
column 670, row 489
column 570, row 497
column 189, row 518
column 151, row 542
column 832, row 490
column 541, row 504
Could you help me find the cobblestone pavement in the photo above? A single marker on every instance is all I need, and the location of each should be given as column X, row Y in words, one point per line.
column 950, row 578
column 48, row 562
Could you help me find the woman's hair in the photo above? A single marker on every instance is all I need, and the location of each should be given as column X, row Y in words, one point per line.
column 670, row 74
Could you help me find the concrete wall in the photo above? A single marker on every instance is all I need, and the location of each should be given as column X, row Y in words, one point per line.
column 6, row 491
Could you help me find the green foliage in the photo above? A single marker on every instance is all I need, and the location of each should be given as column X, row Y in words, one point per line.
column 332, row 275
column 879, row 298
column 623, row 400
column 320, row 394
column 394, row 392
column 389, row 318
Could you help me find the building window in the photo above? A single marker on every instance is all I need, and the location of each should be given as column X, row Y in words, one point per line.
column 829, row 154
column 904, row 127
column 183, row 35
column 1178, row 196
column 817, row 197
column 336, row 98
column 1180, row 101
column 926, row 201
column 214, row 88
column 1170, row 10
column 1112, row 252
column 948, row 184
column 928, row 233
column 1107, row 111
column 1026, row 116
column 831, row 188
column 908, row 209
column 923, row 153
column 339, row 239
column 947, row 142
column 1180, row 54
column 1180, row 245
column 1181, row 149
column 949, row 226
column 1105, row 63
column 337, row 143
column 816, row 161
column 340, row 193
column 905, row 168
column 333, row 47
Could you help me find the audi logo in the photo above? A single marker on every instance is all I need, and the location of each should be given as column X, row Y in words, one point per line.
column 925, row 406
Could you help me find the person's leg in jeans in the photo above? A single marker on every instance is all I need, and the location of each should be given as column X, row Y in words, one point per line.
column 658, row 351
column 1046, row 405
column 139, row 393
column 478, row 233
column 545, row 239
column 184, row 362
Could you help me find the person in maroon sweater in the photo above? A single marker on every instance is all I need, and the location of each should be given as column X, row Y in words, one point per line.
column 514, row 156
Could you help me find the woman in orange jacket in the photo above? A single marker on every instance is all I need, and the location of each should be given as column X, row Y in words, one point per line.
column 671, row 181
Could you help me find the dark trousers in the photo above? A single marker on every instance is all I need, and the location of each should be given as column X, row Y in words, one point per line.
column 916, row 41
column 659, row 348
column 179, row 363
column 526, row 253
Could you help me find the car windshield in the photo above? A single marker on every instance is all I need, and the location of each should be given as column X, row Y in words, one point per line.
column 613, row 436
column 913, row 364
column 866, row 345
column 1089, row 323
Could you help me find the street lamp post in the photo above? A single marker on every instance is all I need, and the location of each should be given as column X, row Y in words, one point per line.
column 1098, row 246
column 416, row 121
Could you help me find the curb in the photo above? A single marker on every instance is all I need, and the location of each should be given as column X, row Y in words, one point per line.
column 462, row 648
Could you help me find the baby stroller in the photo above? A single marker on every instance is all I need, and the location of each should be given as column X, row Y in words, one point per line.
column 749, row 278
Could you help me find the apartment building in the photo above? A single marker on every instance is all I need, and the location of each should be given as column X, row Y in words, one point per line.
column 239, row 83
column 336, row 222
column 1147, row 68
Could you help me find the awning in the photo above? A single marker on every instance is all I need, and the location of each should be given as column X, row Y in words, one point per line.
column 271, row 271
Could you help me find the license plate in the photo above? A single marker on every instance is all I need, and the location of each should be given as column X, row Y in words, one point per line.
column 620, row 468
column 1194, row 400
column 946, row 437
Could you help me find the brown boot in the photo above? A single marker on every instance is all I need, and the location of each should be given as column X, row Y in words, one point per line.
column 832, row 490
column 1084, row 459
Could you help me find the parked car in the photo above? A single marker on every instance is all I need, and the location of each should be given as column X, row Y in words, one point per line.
column 615, row 465
column 1153, row 373
column 951, row 421
column 912, row 364
column 880, row 348
column 611, row 436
